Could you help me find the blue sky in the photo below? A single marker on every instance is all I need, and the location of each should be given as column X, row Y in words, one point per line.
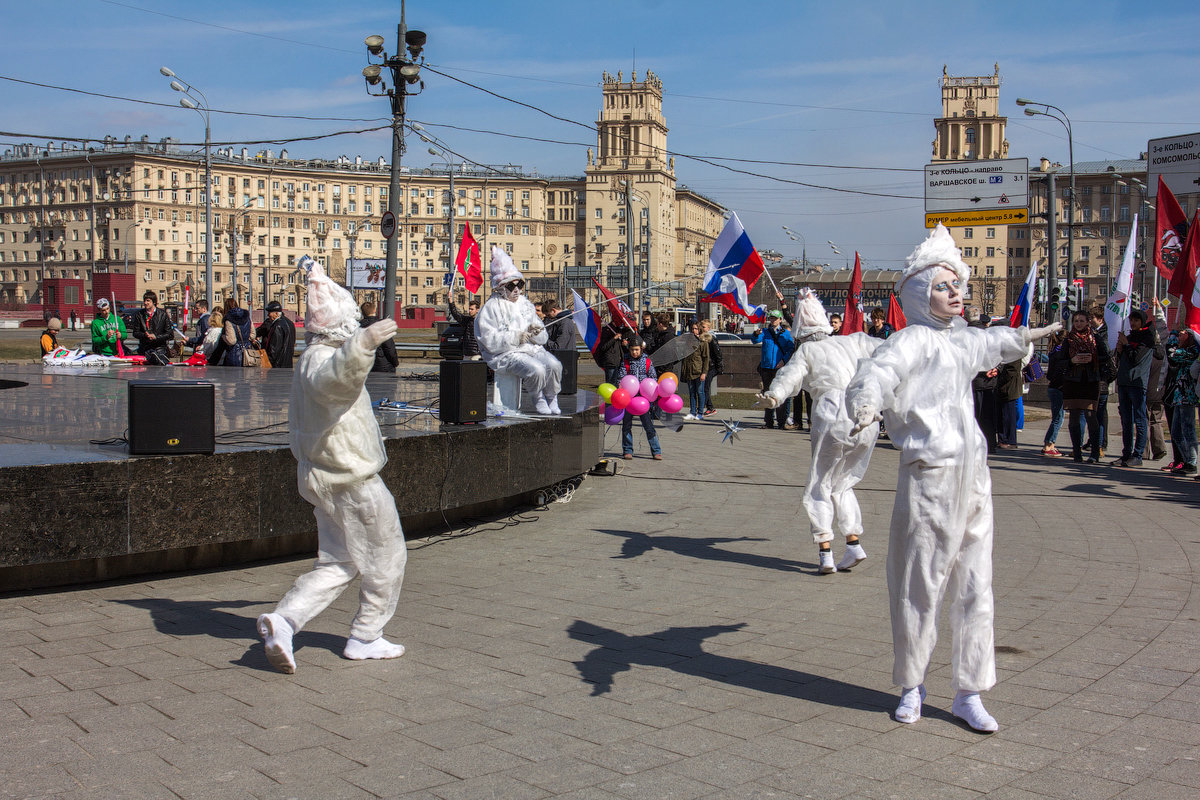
column 846, row 84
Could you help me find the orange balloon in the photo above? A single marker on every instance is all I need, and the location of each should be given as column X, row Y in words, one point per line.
column 668, row 375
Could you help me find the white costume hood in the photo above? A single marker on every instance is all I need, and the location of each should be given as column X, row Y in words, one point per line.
column 503, row 268
column 332, row 313
column 810, row 316
column 915, row 282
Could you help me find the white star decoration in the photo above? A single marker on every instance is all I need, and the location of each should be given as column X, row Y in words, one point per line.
column 732, row 429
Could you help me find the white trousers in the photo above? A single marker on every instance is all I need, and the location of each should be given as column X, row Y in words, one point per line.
column 541, row 372
column 358, row 531
column 941, row 547
column 839, row 462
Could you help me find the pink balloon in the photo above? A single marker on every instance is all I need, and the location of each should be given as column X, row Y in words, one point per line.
column 649, row 388
column 613, row 416
column 638, row 406
column 630, row 384
column 667, row 387
column 670, row 404
column 619, row 399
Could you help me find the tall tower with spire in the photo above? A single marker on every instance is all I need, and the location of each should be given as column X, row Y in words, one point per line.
column 970, row 126
column 631, row 187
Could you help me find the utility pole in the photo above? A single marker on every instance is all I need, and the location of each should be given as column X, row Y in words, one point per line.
column 405, row 70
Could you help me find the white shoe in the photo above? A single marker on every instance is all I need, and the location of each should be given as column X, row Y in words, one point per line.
column 827, row 562
column 969, row 708
column 690, row 417
column 358, row 650
column 276, row 633
column 541, row 406
column 909, row 710
column 552, row 402
column 854, row 556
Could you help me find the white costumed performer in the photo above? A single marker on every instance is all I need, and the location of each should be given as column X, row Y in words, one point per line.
column 823, row 365
column 511, row 335
column 941, row 533
column 339, row 451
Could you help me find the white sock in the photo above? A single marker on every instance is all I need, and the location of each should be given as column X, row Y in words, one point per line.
column 358, row 650
column 909, row 710
column 276, row 633
column 541, row 406
column 969, row 708
column 552, row 403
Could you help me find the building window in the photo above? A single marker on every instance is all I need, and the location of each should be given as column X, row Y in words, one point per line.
column 991, row 233
column 968, row 233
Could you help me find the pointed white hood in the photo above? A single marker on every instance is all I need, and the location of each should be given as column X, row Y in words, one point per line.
column 913, row 287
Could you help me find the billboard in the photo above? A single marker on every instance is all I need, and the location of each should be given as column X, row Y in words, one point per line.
column 368, row 273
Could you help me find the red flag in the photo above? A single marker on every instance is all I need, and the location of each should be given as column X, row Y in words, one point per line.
column 621, row 313
column 852, row 319
column 1183, row 278
column 895, row 316
column 1171, row 228
column 467, row 262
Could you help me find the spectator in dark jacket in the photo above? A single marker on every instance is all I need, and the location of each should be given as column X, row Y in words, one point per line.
column 561, row 334
column 610, row 351
column 1009, row 387
column 470, row 344
column 661, row 333
column 1135, row 354
column 277, row 336
column 386, row 359
column 153, row 330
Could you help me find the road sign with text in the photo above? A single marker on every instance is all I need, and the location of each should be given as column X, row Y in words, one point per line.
column 958, row 219
column 1000, row 185
column 1177, row 160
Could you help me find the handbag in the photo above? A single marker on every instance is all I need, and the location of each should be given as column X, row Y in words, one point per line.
column 251, row 356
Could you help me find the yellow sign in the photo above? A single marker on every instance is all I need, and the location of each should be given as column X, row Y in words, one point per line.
column 987, row 216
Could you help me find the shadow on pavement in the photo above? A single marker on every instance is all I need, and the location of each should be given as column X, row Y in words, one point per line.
column 637, row 543
column 205, row 618
column 678, row 649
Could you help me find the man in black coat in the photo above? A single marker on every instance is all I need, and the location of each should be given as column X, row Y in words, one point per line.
column 560, row 335
column 153, row 330
column 278, row 336
column 386, row 359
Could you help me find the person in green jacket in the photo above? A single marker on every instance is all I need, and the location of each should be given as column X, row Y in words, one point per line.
column 107, row 330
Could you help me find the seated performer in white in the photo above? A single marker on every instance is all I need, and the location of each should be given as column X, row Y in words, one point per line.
column 511, row 336
column 822, row 365
column 339, row 451
column 941, row 533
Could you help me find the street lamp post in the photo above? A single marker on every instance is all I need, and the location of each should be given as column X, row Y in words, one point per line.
column 792, row 234
column 195, row 99
column 1065, row 121
column 405, row 70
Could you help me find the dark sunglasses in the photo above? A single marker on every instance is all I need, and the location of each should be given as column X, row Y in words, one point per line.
column 514, row 285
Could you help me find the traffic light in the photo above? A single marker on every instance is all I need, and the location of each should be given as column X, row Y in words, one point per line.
column 1057, row 290
column 1077, row 296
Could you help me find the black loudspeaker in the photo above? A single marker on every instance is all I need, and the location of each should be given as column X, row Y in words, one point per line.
column 463, row 387
column 171, row 417
column 570, row 373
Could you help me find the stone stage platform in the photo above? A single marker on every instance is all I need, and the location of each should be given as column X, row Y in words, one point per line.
column 73, row 511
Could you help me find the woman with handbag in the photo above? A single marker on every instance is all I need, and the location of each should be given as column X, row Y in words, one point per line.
column 239, row 348
column 1087, row 362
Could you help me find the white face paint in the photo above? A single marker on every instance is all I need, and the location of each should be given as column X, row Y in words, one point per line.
column 945, row 295
column 512, row 290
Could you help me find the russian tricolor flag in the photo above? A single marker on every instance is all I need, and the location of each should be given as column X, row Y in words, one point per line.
column 587, row 322
column 733, row 269
column 1020, row 314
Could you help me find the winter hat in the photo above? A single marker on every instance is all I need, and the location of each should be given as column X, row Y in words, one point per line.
column 913, row 286
column 810, row 314
column 331, row 313
column 102, row 303
column 503, row 268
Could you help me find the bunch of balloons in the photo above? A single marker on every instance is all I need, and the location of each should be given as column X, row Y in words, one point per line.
column 636, row 396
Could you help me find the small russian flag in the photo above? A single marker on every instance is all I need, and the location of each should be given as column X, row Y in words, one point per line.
column 733, row 269
column 1020, row 314
column 587, row 322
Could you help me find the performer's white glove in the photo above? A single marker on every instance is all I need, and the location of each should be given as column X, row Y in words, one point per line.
column 1041, row 333
column 378, row 333
column 768, row 400
column 864, row 418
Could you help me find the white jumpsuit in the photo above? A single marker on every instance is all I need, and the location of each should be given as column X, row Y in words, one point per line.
column 824, row 367
column 500, row 327
column 339, row 451
column 941, row 532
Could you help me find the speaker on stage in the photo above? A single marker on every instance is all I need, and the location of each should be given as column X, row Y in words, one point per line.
column 171, row 417
column 463, row 386
column 570, row 372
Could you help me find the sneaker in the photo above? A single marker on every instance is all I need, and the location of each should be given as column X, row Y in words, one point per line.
column 789, row 427
column 1174, row 465
column 969, row 708
column 827, row 562
column 690, row 417
column 1133, row 461
column 276, row 633
column 708, row 412
column 909, row 710
column 627, row 456
column 854, row 556
column 658, row 456
column 1184, row 469
column 1051, row 450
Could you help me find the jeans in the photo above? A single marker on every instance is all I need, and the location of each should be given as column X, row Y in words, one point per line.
column 1102, row 419
column 1131, row 402
column 610, row 375
column 777, row 417
column 708, row 392
column 1075, row 427
column 1008, row 422
column 696, row 396
column 1056, row 415
column 627, row 433
column 1183, row 433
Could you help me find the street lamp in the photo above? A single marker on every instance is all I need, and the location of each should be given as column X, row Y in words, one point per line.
column 195, row 99
column 405, row 70
column 1065, row 121
column 792, row 234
